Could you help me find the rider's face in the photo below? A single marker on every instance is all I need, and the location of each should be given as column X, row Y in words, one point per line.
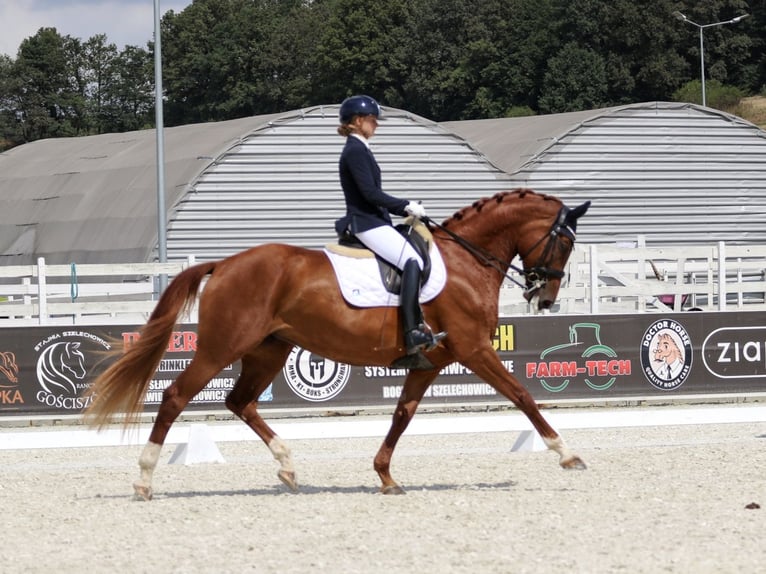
column 366, row 125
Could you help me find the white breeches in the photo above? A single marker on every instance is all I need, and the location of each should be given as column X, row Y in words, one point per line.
column 390, row 245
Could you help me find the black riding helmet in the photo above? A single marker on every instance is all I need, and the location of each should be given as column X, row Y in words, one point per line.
column 358, row 106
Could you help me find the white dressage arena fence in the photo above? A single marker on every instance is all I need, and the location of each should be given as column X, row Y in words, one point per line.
column 601, row 279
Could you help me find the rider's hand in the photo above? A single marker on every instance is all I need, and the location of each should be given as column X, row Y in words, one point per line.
column 415, row 209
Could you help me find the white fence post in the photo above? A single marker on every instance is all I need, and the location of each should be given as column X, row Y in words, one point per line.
column 191, row 260
column 680, row 279
column 641, row 271
column 26, row 298
column 42, row 288
column 721, row 276
column 593, row 279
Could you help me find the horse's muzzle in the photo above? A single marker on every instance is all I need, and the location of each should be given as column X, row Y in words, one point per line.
column 542, row 301
column 534, row 284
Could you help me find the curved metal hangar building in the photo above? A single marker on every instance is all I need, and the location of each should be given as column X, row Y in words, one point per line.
column 675, row 173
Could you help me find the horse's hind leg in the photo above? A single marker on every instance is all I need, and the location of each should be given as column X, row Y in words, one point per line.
column 174, row 400
column 415, row 386
column 259, row 368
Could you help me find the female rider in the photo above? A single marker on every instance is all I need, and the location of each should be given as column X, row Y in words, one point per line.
column 367, row 215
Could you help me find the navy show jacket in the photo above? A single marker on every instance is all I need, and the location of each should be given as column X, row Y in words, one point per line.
column 367, row 206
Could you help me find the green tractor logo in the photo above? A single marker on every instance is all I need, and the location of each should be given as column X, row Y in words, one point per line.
column 587, row 335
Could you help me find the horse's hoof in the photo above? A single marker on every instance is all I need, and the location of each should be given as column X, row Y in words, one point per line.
column 288, row 478
column 574, row 463
column 392, row 489
column 142, row 492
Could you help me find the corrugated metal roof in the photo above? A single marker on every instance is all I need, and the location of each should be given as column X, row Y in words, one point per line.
column 280, row 183
column 674, row 173
column 94, row 199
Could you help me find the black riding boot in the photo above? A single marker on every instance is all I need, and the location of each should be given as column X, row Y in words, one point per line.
column 417, row 335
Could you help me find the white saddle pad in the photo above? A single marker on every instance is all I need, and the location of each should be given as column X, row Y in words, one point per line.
column 361, row 285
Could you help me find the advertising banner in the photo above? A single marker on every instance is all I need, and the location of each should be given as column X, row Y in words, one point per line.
column 44, row 370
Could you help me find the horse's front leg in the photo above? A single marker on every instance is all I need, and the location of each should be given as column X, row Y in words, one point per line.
column 487, row 365
column 415, row 386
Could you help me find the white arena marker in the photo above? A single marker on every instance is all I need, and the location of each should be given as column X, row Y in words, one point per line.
column 199, row 448
column 528, row 441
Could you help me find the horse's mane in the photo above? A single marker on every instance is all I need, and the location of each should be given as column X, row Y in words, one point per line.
column 499, row 197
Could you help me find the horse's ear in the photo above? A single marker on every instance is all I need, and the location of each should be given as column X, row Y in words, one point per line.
column 579, row 211
column 568, row 218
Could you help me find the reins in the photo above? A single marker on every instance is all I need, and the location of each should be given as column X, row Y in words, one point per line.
column 535, row 276
column 482, row 255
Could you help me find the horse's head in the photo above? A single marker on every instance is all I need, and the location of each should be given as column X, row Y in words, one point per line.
column 545, row 256
column 538, row 228
column 8, row 366
column 73, row 360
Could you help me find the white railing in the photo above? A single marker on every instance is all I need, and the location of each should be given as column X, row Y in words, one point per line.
column 95, row 294
column 606, row 279
column 602, row 280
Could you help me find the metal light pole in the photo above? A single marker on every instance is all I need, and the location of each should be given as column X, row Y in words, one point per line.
column 162, row 251
column 701, row 27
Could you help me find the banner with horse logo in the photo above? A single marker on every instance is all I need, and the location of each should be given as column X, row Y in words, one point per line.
column 45, row 370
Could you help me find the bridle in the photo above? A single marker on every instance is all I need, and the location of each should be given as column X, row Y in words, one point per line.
column 535, row 277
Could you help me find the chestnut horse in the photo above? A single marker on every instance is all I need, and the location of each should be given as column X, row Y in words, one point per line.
column 258, row 304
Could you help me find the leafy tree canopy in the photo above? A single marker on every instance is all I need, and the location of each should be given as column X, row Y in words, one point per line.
column 442, row 59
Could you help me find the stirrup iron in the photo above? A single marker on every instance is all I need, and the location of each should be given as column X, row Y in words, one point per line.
column 422, row 338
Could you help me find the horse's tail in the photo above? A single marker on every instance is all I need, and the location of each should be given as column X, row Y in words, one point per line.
column 122, row 387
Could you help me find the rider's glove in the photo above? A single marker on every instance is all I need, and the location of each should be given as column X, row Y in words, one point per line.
column 415, row 209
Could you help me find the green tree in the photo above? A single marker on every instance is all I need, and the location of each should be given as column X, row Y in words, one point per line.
column 361, row 50
column 11, row 133
column 205, row 56
column 576, row 80
column 96, row 74
column 42, row 80
column 637, row 41
column 718, row 95
column 467, row 59
column 127, row 98
column 78, row 98
column 232, row 58
column 728, row 48
column 528, row 43
column 754, row 69
column 283, row 68
column 59, row 86
column 442, row 59
column 431, row 48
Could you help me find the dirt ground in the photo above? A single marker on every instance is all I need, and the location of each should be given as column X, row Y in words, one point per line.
column 655, row 499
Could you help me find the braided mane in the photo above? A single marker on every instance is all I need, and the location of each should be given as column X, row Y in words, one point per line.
column 499, row 197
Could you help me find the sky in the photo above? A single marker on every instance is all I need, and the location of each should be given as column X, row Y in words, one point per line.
column 123, row 21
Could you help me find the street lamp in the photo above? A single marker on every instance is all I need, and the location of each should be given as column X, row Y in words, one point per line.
column 701, row 27
column 162, row 250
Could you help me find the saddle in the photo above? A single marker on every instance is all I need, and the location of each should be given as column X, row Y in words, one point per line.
column 416, row 233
